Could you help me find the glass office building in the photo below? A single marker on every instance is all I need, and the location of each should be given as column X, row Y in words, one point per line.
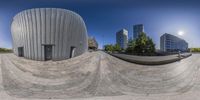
column 137, row 29
column 171, row 43
column 122, row 38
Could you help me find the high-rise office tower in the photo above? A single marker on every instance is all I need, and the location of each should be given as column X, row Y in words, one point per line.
column 122, row 38
column 137, row 29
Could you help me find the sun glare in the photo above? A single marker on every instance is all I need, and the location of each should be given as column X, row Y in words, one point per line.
column 181, row 33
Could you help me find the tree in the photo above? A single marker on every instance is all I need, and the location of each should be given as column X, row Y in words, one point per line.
column 140, row 44
column 143, row 45
column 4, row 50
column 129, row 49
column 117, row 48
column 150, row 46
column 112, row 48
column 195, row 49
column 108, row 48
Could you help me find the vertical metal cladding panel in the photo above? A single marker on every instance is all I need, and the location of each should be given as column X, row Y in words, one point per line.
column 37, row 19
column 28, row 33
column 57, row 35
column 19, row 32
column 75, row 34
column 82, row 29
column 22, row 31
column 25, row 35
column 14, row 36
column 62, row 28
column 70, row 38
column 61, row 34
column 48, row 26
column 42, row 11
column 34, row 29
column 31, row 35
column 53, row 30
column 79, row 41
column 18, row 35
column 64, row 41
column 69, row 33
column 13, row 41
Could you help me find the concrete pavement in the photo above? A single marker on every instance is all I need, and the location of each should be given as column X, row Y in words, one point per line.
column 98, row 76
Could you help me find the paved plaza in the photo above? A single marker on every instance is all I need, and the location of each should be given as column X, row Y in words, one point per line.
column 98, row 76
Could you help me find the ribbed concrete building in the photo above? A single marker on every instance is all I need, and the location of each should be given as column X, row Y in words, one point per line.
column 48, row 34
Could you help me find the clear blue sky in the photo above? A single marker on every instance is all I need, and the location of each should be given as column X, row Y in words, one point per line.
column 104, row 18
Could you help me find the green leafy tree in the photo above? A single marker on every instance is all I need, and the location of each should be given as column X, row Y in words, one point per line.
column 140, row 44
column 117, row 48
column 150, row 47
column 143, row 45
column 112, row 48
column 131, row 44
column 4, row 50
column 195, row 49
column 108, row 48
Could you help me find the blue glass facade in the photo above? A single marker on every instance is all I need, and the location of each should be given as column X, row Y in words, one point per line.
column 122, row 38
column 137, row 29
column 171, row 43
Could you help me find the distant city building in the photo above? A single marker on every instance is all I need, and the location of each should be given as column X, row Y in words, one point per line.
column 137, row 29
column 171, row 43
column 122, row 38
column 92, row 43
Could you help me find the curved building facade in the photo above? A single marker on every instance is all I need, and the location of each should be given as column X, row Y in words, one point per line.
column 48, row 34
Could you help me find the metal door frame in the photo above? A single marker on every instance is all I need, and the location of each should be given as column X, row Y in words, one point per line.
column 72, row 51
column 45, row 53
column 21, row 51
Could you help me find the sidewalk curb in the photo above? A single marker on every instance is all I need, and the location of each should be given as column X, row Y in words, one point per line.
column 151, row 62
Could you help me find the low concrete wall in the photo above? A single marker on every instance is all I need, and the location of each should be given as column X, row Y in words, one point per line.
column 151, row 60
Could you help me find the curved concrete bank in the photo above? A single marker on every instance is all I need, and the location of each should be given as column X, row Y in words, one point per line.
column 98, row 75
column 151, row 60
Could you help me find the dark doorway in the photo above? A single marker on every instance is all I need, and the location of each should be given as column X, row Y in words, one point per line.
column 72, row 51
column 48, row 52
column 21, row 51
